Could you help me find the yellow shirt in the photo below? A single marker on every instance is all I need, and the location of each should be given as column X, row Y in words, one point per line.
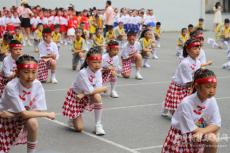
column 157, row 30
column 78, row 44
column 181, row 40
column 146, row 43
column 92, row 28
column 198, row 26
column 99, row 40
column 218, row 27
column 55, row 36
column 18, row 37
column 4, row 46
column 223, row 32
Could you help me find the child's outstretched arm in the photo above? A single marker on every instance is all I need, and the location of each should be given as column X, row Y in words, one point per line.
column 28, row 114
column 206, row 64
column 96, row 90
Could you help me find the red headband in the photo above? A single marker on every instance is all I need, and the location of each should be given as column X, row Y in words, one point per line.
column 26, row 66
column 198, row 36
column 206, row 80
column 94, row 58
column 47, row 34
column 116, row 46
column 132, row 36
column 84, row 11
column 193, row 44
column 15, row 45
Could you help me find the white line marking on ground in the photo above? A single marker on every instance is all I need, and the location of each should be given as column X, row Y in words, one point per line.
column 147, row 83
column 146, row 148
column 97, row 137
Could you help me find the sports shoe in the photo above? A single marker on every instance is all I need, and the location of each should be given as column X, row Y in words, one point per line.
column 98, row 129
column 209, row 40
column 155, row 57
column 138, row 76
column 70, row 123
column 114, row 94
column 146, row 65
column 29, row 44
column 158, row 46
column 164, row 112
column 53, row 80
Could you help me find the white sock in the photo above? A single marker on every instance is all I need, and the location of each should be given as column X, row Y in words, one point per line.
column 146, row 59
column 158, row 41
column 97, row 112
column 31, row 146
column 113, row 82
column 154, row 51
column 138, row 69
column 82, row 60
column 53, row 73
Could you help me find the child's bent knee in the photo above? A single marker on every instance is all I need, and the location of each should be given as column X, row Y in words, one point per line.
column 32, row 124
column 97, row 98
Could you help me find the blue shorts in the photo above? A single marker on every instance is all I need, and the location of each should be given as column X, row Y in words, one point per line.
column 115, row 24
column 152, row 24
column 136, row 28
column 125, row 27
column 131, row 29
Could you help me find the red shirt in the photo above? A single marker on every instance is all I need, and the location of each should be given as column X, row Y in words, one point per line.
column 86, row 21
column 72, row 24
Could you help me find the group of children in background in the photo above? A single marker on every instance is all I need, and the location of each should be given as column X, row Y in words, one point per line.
column 189, row 97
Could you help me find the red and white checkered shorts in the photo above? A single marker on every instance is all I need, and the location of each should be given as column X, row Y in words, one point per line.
column 11, row 133
column 43, row 68
column 72, row 108
column 3, row 83
column 126, row 64
column 175, row 142
column 106, row 76
column 175, row 94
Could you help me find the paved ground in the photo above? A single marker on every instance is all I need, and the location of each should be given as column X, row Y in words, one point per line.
column 132, row 122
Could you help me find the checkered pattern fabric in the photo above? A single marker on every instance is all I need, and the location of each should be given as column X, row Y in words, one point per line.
column 43, row 68
column 3, row 82
column 175, row 142
column 175, row 94
column 72, row 108
column 11, row 133
column 126, row 65
column 106, row 76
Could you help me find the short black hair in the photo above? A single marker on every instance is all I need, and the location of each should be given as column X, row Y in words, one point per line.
column 17, row 28
column 14, row 42
column 201, row 19
column 193, row 33
column 40, row 24
column 226, row 21
column 109, row 2
column 131, row 33
column 199, row 28
column 82, row 23
column 190, row 26
column 46, row 30
column 24, row 58
column 158, row 23
column 110, row 27
column 8, row 36
column 56, row 27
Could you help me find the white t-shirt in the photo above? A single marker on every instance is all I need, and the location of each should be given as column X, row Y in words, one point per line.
column 129, row 49
column 8, row 20
column 125, row 19
column 8, row 66
column 152, row 19
column 51, row 20
column 34, row 21
column 16, row 20
column 202, row 57
column 117, row 18
column 58, row 20
column 192, row 113
column 45, row 21
column 47, row 49
column 107, row 61
column 86, row 81
column 185, row 70
column 16, row 97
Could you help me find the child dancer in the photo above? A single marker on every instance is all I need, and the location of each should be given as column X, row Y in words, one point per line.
column 130, row 54
column 149, row 27
column 110, row 63
column 58, row 21
column 72, row 25
column 190, row 29
column 182, row 39
column 93, row 25
column 200, row 24
column 7, row 71
column 99, row 41
column 34, row 24
column 63, row 28
column 9, row 23
column 38, row 36
column 200, row 30
column 85, row 93
column 120, row 33
column 157, row 33
column 20, row 105
column 151, row 19
column 16, row 21
column 214, row 41
column 48, row 53
column 195, row 124
column 56, row 36
column 18, row 36
column 146, row 46
column 223, row 35
column 181, row 82
column 110, row 35
column 78, row 48
column 4, row 45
